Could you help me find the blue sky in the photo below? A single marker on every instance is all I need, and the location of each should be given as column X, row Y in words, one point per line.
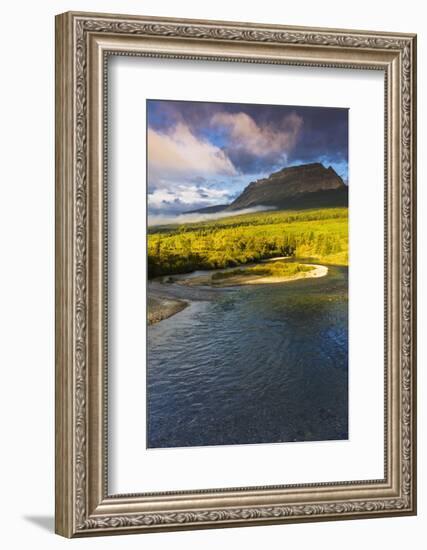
column 202, row 154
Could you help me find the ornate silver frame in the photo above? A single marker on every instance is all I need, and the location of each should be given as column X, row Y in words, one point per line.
column 83, row 42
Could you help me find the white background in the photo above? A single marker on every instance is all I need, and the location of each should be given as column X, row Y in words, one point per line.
column 27, row 275
column 133, row 468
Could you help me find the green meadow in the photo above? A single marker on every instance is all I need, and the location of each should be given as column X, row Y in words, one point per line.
column 319, row 235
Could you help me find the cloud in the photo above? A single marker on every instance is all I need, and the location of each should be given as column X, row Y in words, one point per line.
column 179, row 152
column 203, row 154
column 260, row 140
column 181, row 197
column 185, row 171
column 158, row 219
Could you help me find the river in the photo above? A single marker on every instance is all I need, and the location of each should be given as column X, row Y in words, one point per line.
column 253, row 364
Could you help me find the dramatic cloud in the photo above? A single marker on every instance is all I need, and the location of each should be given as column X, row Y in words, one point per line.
column 260, row 140
column 204, row 154
column 180, row 152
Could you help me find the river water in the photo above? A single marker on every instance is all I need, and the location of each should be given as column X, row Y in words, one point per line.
column 254, row 364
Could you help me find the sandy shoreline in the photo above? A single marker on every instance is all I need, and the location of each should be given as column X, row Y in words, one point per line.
column 167, row 299
column 318, row 271
column 159, row 308
column 239, row 280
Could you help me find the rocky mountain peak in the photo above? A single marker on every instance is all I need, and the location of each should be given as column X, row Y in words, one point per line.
column 292, row 185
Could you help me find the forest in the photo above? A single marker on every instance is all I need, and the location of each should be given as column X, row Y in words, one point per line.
column 318, row 234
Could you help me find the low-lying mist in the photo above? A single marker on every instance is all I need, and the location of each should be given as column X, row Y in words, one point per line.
column 159, row 219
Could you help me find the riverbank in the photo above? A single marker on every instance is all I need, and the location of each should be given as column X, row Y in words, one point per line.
column 168, row 296
column 166, row 299
column 162, row 307
column 317, row 271
column 239, row 277
column 259, row 351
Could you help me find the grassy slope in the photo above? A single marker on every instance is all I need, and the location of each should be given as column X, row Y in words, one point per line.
column 270, row 269
column 318, row 234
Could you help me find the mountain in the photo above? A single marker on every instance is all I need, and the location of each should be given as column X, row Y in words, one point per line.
column 307, row 185
column 296, row 187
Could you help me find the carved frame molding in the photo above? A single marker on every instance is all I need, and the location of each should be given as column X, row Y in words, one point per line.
column 83, row 42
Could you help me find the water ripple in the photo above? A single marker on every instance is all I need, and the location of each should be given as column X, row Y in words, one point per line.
column 262, row 364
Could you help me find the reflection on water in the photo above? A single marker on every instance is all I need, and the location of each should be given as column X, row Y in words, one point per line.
column 258, row 364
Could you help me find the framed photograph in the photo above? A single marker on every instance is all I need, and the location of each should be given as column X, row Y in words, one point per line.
column 235, row 274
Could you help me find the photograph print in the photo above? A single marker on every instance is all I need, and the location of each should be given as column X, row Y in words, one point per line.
column 247, row 274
